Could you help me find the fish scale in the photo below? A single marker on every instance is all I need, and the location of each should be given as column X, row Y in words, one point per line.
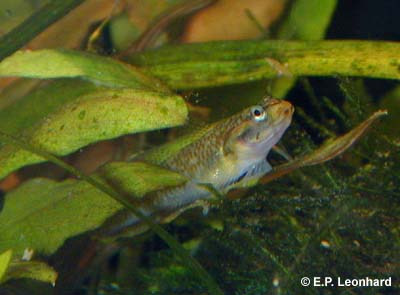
column 227, row 154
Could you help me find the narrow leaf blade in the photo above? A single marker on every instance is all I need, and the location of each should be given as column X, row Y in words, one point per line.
column 51, row 63
column 5, row 259
column 329, row 150
column 35, row 270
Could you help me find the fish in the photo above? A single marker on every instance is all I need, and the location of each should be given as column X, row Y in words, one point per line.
column 227, row 154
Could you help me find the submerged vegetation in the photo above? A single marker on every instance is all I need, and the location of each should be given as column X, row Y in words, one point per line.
column 334, row 219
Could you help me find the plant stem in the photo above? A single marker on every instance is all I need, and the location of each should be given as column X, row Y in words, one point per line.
column 35, row 24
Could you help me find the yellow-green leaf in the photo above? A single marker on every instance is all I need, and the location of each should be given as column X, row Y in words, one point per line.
column 29, row 109
column 41, row 213
column 100, row 115
column 51, row 63
column 5, row 259
column 233, row 62
column 307, row 20
column 35, row 270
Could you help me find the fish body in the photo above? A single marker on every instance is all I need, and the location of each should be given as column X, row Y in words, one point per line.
column 227, row 154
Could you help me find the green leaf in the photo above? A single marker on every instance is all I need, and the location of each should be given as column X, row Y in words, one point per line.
column 5, row 259
column 51, row 63
column 119, row 175
column 35, row 270
column 68, row 115
column 99, row 115
column 186, row 259
column 233, row 62
column 33, row 25
column 308, row 20
column 41, row 213
column 33, row 107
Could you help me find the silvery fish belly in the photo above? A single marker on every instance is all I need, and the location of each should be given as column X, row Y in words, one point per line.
column 227, row 154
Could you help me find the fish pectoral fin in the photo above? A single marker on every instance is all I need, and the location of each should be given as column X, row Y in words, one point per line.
column 281, row 150
column 251, row 177
column 235, row 180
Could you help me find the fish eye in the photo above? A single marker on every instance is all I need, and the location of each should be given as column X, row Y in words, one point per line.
column 258, row 113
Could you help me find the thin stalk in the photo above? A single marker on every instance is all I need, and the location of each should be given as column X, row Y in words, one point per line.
column 186, row 259
column 35, row 24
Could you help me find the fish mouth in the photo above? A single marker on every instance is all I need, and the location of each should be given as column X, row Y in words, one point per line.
column 282, row 109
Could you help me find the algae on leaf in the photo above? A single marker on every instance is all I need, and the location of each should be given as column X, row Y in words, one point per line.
column 41, row 214
column 92, row 117
column 233, row 62
column 52, row 63
column 124, row 101
column 17, row 269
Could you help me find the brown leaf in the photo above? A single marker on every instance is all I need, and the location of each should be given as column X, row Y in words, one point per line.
column 228, row 20
column 329, row 150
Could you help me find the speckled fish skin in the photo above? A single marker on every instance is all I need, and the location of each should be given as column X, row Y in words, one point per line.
column 227, row 154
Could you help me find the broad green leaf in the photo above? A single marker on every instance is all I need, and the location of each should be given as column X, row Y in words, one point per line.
column 138, row 178
column 99, row 115
column 51, row 63
column 35, row 270
column 41, row 213
column 16, row 90
column 33, row 107
column 190, row 262
column 5, row 259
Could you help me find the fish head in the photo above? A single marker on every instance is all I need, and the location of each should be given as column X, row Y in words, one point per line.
column 258, row 129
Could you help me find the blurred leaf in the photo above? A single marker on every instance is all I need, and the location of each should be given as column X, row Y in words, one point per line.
column 71, row 30
column 391, row 101
column 5, row 258
column 11, row 92
column 39, row 103
column 36, row 23
column 41, row 213
column 123, row 32
column 13, row 12
column 137, row 17
column 214, row 23
column 51, row 63
column 307, row 20
column 233, row 62
column 100, row 115
column 35, row 270
column 158, row 26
